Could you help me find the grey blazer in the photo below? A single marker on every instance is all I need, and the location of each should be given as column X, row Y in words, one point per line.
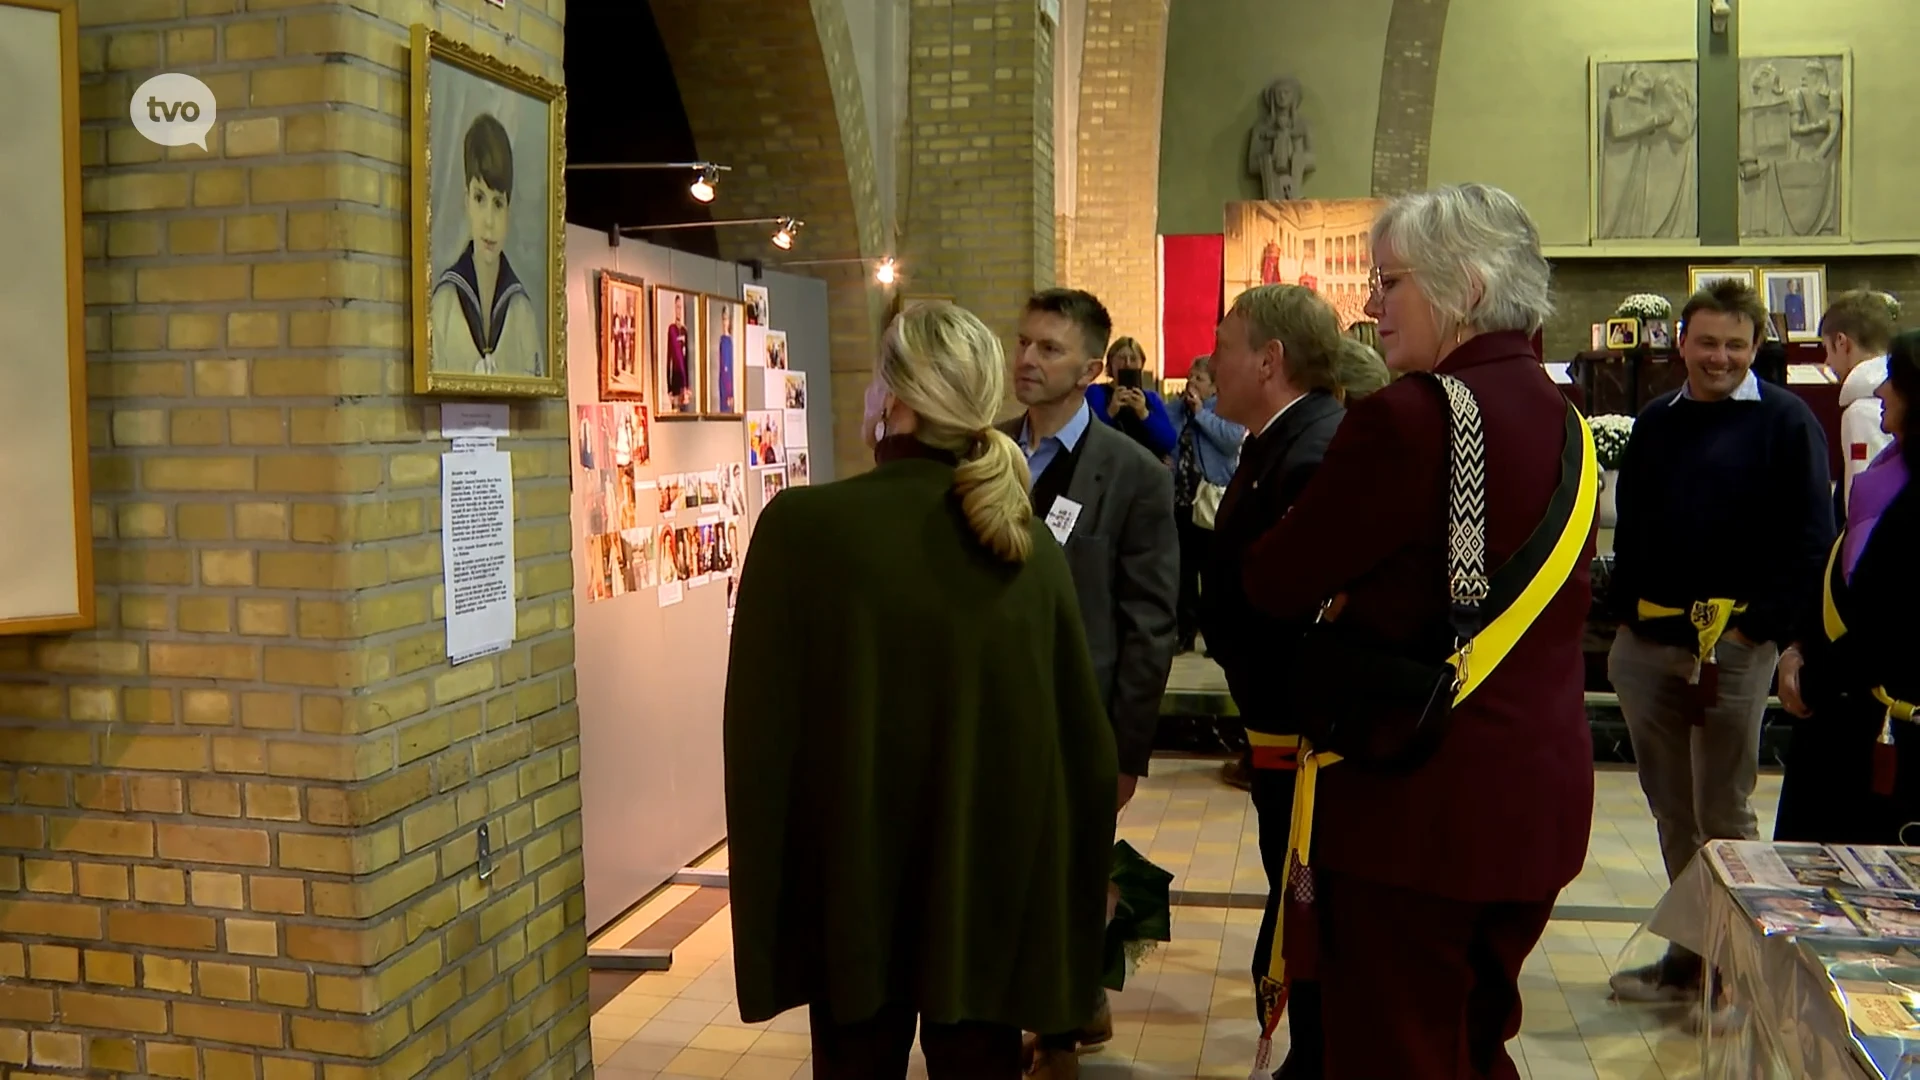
column 1125, row 555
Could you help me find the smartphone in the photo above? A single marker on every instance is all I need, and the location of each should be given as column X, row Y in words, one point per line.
column 1127, row 377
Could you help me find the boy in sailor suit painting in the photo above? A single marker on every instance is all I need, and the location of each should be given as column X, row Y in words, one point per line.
column 483, row 320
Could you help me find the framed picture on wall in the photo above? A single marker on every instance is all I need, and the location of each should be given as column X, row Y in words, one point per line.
column 1623, row 333
column 1799, row 295
column 489, row 242
column 723, row 395
column 623, row 337
column 46, row 535
column 676, row 354
column 759, row 304
column 1700, row 277
column 776, row 341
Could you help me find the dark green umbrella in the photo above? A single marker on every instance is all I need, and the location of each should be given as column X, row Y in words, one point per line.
column 1143, row 915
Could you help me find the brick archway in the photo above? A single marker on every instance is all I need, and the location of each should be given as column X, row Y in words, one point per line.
column 772, row 88
column 1403, row 134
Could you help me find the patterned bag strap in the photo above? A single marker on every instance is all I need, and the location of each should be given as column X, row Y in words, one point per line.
column 1466, row 509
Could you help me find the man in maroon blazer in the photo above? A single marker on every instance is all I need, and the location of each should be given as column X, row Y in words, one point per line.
column 1433, row 885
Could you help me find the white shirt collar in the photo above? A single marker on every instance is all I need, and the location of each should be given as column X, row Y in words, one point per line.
column 1748, row 390
column 1276, row 416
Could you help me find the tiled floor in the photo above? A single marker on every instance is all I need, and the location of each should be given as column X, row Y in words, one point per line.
column 1188, row 1012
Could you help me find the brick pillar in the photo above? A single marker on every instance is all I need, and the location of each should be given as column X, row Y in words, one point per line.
column 979, row 212
column 238, row 820
column 1403, row 135
column 1114, row 252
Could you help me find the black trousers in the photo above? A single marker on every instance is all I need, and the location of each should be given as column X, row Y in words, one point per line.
column 1273, row 802
column 877, row 1049
column 1194, row 544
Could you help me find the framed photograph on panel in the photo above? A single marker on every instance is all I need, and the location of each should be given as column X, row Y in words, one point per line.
column 776, row 350
column 489, row 241
column 676, row 354
column 46, row 534
column 1623, row 333
column 759, row 304
column 1799, row 295
column 723, row 396
column 623, row 338
column 1700, row 277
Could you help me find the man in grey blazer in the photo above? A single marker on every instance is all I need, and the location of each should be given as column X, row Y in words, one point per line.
column 1110, row 504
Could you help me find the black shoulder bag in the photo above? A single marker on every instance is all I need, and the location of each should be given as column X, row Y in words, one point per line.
column 1376, row 707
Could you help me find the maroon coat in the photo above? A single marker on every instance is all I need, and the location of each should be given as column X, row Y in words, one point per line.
column 1504, row 809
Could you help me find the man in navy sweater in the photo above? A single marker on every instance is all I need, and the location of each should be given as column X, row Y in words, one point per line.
column 1726, row 517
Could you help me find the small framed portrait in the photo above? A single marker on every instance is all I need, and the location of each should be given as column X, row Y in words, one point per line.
column 776, row 350
column 1657, row 333
column 797, row 470
column 724, row 394
column 772, row 482
column 758, row 303
column 1700, row 277
column 489, row 242
column 1799, row 293
column 1623, row 334
column 676, row 354
column 623, row 337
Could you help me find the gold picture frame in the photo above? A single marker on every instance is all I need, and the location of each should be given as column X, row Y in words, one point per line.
column 1623, row 334
column 1699, row 277
column 713, row 366
column 471, row 115
column 623, row 337
column 46, row 543
column 685, row 405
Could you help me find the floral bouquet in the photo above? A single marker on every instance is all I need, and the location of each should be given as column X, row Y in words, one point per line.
column 1644, row 306
column 1610, row 434
column 1141, row 915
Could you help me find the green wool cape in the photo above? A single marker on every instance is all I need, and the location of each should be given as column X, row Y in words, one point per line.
column 920, row 775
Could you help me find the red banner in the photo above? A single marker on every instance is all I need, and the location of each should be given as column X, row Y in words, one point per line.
column 1193, row 266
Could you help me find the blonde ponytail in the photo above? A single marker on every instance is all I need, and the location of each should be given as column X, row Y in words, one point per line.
column 993, row 494
column 943, row 363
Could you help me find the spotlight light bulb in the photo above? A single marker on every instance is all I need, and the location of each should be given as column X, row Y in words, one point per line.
column 703, row 185
column 783, row 239
column 884, row 273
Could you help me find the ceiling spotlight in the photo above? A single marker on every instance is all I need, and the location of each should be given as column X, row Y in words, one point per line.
column 703, row 185
column 783, row 237
column 884, row 273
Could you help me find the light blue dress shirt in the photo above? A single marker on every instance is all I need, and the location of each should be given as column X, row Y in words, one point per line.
column 1747, row 391
column 1067, row 438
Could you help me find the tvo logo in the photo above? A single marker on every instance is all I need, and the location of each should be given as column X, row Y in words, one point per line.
column 173, row 110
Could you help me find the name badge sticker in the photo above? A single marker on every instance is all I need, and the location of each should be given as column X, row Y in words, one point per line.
column 1061, row 519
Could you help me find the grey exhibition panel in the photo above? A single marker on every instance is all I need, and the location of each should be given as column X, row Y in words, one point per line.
column 652, row 679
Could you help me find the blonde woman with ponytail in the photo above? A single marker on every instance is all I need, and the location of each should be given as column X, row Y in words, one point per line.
column 919, row 768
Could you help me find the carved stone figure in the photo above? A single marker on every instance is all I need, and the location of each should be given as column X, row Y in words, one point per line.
column 1280, row 151
column 1790, row 140
column 1647, row 165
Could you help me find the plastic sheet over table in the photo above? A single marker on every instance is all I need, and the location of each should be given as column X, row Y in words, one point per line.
column 1788, row 1020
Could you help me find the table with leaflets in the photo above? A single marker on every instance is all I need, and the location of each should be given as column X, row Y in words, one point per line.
column 1817, row 950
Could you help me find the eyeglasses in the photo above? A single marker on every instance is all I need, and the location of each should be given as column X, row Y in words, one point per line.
column 1379, row 281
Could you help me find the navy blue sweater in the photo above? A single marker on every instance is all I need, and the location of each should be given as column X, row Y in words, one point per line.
column 1727, row 499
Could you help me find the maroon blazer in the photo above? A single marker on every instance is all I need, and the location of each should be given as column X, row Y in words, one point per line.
column 1504, row 809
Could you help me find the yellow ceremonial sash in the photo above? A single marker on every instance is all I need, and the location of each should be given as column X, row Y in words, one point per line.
column 1474, row 663
column 1709, row 619
column 1836, row 628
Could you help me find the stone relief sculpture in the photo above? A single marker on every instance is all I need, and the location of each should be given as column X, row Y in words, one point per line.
column 1646, row 164
column 1792, row 120
column 1280, row 151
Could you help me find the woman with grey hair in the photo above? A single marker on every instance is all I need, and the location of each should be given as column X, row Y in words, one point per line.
column 1443, row 867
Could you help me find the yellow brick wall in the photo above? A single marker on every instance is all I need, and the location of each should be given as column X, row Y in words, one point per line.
column 1113, row 251
column 238, row 820
column 978, row 218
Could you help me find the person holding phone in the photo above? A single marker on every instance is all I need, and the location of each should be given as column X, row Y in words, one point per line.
column 1127, row 405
